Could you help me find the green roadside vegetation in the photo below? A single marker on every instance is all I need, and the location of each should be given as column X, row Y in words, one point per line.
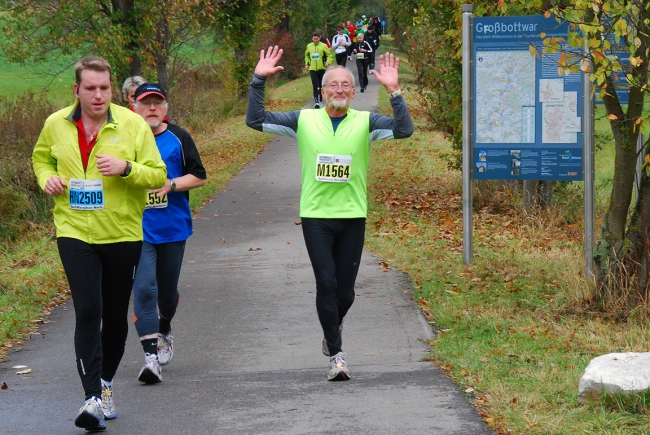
column 55, row 78
column 514, row 328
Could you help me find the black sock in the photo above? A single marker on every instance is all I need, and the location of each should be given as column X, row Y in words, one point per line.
column 150, row 345
column 164, row 326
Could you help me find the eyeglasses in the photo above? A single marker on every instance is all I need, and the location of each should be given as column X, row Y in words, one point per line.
column 156, row 103
column 335, row 85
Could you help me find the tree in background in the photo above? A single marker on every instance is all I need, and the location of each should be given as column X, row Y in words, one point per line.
column 135, row 37
column 36, row 30
column 431, row 36
column 622, row 254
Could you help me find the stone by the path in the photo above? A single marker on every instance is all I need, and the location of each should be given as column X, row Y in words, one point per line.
column 624, row 374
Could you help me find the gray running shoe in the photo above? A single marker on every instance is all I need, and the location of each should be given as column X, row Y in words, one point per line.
column 338, row 368
column 325, row 349
column 151, row 373
column 108, row 405
column 165, row 348
column 91, row 416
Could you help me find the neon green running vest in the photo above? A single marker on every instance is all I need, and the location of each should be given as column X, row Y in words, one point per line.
column 334, row 165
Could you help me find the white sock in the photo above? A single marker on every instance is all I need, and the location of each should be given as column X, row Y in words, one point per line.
column 107, row 383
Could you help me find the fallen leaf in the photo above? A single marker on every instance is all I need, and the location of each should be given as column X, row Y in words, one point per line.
column 3, row 386
column 24, row 372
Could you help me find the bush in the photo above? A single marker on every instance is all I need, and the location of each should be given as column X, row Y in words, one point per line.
column 292, row 54
column 22, row 203
column 202, row 95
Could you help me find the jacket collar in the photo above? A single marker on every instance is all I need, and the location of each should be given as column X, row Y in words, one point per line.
column 75, row 114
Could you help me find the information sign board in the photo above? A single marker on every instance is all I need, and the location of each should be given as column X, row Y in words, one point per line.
column 527, row 114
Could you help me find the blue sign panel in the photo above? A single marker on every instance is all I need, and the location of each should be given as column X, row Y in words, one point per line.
column 527, row 123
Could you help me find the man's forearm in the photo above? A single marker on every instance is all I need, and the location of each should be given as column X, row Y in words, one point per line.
column 255, row 109
column 403, row 122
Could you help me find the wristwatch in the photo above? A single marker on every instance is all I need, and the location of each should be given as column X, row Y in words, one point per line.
column 173, row 185
column 127, row 170
column 396, row 93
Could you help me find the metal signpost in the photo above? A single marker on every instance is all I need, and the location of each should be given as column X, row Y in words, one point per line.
column 468, row 96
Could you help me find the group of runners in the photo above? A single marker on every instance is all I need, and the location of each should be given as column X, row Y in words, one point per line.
column 120, row 177
column 358, row 41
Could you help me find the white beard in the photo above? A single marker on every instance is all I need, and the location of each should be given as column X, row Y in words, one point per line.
column 338, row 103
column 154, row 125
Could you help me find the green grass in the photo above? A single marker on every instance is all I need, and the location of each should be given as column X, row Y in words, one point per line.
column 514, row 330
column 54, row 79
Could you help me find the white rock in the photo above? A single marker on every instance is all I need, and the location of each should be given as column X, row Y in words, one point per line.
column 615, row 373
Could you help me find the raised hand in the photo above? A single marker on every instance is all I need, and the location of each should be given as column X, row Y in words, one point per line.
column 268, row 63
column 387, row 75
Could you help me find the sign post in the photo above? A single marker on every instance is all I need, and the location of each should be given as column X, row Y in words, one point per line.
column 589, row 173
column 468, row 96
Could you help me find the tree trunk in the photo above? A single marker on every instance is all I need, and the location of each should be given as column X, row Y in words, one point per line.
column 529, row 195
column 544, row 194
column 622, row 251
column 537, row 195
column 127, row 18
column 162, row 52
column 638, row 234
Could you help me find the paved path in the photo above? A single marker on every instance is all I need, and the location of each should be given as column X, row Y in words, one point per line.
column 247, row 353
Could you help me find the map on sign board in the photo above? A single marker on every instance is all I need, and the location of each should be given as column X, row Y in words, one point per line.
column 505, row 84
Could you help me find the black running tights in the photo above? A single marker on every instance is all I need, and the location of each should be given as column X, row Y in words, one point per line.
column 334, row 247
column 100, row 278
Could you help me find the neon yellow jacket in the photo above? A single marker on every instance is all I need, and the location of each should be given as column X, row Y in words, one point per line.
column 125, row 135
column 316, row 55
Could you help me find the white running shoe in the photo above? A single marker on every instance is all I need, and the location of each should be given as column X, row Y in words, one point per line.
column 108, row 405
column 91, row 416
column 151, row 373
column 165, row 348
column 338, row 368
